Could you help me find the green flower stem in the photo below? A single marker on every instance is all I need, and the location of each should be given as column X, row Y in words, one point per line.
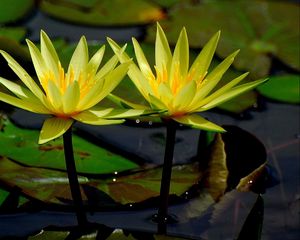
column 162, row 217
column 73, row 180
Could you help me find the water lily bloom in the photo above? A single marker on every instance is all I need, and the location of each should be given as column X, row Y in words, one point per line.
column 180, row 90
column 70, row 95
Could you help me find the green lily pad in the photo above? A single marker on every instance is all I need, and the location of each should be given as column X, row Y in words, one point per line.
column 283, row 88
column 131, row 188
column 15, row 33
column 103, row 12
column 21, row 145
column 14, row 48
column 258, row 28
column 3, row 195
column 11, row 11
column 166, row 3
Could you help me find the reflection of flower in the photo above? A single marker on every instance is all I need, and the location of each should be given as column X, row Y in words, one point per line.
column 175, row 87
column 67, row 96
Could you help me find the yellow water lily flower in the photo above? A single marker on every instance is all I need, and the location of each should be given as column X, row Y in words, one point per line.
column 177, row 88
column 70, row 95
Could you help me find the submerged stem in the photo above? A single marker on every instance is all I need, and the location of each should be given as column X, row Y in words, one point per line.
column 162, row 216
column 73, row 180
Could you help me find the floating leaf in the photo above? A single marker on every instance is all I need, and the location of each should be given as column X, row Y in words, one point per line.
column 247, row 182
column 15, row 33
column 13, row 11
column 252, row 227
column 283, row 88
column 118, row 234
column 257, row 28
column 241, row 157
column 130, row 188
column 21, row 145
column 103, row 12
column 216, row 173
column 166, row 3
column 14, row 48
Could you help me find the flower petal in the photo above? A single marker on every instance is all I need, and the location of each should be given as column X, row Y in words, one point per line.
column 214, row 77
column 109, row 66
column 186, row 95
column 134, row 72
column 196, row 121
column 54, row 128
column 124, row 113
column 23, row 75
column 163, row 55
column 37, row 59
column 141, row 59
column 71, row 97
column 156, row 103
column 201, row 64
column 49, row 54
column 20, row 103
column 54, row 96
column 220, row 91
column 16, row 89
column 231, row 94
column 79, row 58
column 94, row 118
column 180, row 56
column 111, row 80
column 95, row 61
column 124, row 103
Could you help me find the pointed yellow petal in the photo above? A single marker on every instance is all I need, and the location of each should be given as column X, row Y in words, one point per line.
column 23, row 75
column 214, row 77
column 221, row 91
column 20, row 103
column 186, row 95
column 37, row 59
column 71, row 98
column 180, row 56
column 109, row 66
column 94, row 118
column 124, row 113
column 141, row 59
column 163, row 55
column 54, row 128
column 79, row 58
column 49, row 54
column 18, row 90
column 124, row 103
column 231, row 94
column 196, row 121
column 156, row 103
column 134, row 72
column 54, row 96
column 95, row 61
column 111, row 80
column 93, row 113
column 165, row 92
column 203, row 60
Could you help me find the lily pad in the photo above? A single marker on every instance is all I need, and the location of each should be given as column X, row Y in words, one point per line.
column 252, row 227
column 15, row 33
column 103, row 12
column 21, row 145
column 258, row 28
column 12, row 11
column 283, row 88
column 131, row 188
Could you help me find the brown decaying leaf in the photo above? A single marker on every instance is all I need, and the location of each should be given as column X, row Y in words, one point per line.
column 247, row 182
column 215, row 176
